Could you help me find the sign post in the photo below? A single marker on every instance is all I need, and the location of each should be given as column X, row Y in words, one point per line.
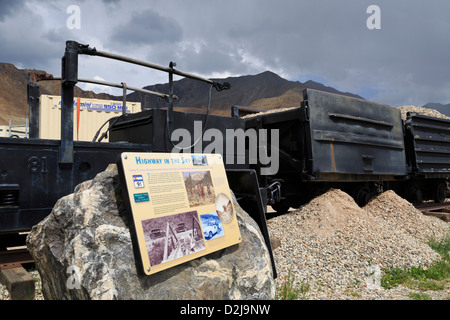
column 180, row 205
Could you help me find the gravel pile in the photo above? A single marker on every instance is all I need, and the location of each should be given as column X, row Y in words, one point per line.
column 404, row 216
column 424, row 111
column 253, row 115
column 339, row 248
column 403, row 110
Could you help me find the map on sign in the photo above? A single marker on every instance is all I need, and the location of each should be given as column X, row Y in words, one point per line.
column 180, row 204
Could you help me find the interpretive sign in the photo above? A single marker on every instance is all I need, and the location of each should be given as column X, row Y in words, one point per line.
column 180, row 204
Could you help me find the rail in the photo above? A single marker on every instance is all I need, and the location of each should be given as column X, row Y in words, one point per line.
column 438, row 210
column 14, row 258
column 122, row 85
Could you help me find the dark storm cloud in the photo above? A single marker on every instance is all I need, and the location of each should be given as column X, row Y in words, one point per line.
column 147, row 27
column 9, row 7
column 21, row 38
column 207, row 59
column 330, row 40
column 406, row 61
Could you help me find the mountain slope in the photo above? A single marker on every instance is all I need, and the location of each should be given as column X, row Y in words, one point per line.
column 250, row 90
column 266, row 90
column 442, row 108
column 13, row 92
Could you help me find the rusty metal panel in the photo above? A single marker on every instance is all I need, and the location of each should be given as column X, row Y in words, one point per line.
column 93, row 113
column 428, row 144
column 351, row 138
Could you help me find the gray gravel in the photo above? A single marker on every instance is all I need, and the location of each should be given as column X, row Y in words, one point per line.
column 421, row 110
column 340, row 249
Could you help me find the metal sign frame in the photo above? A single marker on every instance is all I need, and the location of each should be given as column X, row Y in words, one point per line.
column 180, row 205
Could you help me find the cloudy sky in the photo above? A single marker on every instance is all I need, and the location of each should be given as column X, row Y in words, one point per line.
column 405, row 62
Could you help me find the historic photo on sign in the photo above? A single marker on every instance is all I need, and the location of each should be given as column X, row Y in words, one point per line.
column 224, row 208
column 177, row 213
column 199, row 188
column 172, row 237
column 212, row 226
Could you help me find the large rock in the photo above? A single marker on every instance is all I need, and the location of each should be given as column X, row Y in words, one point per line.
column 83, row 250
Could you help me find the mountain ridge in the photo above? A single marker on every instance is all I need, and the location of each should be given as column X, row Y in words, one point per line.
column 13, row 91
column 245, row 90
column 266, row 90
column 440, row 107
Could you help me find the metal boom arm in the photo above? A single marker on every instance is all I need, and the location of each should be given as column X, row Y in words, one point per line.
column 69, row 77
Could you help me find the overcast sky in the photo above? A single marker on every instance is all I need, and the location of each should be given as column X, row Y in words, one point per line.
column 405, row 62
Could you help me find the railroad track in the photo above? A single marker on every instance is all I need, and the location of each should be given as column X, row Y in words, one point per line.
column 13, row 250
column 439, row 210
column 13, row 258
